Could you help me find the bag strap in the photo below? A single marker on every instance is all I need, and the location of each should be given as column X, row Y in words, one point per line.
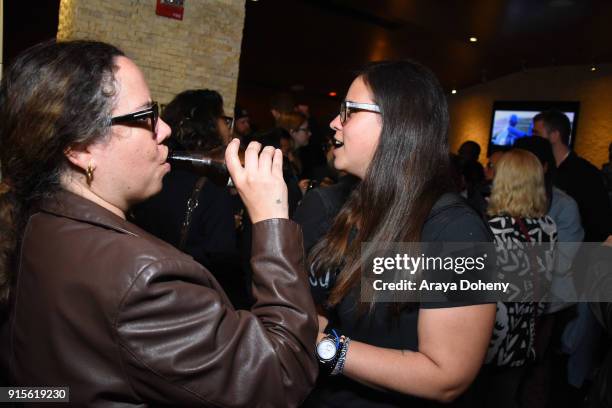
column 192, row 204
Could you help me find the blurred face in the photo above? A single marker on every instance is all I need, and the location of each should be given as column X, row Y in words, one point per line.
column 130, row 165
column 490, row 169
column 360, row 133
column 286, row 146
column 301, row 135
column 242, row 126
column 303, row 109
column 540, row 130
column 224, row 131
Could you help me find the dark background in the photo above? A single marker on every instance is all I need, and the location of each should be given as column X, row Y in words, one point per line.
column 312, row 47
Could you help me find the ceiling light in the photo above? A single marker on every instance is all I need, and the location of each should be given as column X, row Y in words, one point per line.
column 453, row 91
column 593, row 68
column 473, row 39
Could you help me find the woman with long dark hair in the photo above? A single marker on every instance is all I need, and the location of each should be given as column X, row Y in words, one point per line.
column 391, row 133
column 98, row 305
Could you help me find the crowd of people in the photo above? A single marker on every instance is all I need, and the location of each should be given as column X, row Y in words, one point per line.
column 137, row 282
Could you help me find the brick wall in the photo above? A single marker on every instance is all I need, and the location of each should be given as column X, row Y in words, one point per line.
column 471, row 108
column 201, row 51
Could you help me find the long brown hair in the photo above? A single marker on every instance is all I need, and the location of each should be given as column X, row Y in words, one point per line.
column 53, row 97
column 408, row 173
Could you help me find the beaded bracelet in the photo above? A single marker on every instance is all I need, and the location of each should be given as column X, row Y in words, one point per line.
column 342, row 358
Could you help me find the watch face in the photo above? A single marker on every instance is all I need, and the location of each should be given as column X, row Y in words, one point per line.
column 326, row 349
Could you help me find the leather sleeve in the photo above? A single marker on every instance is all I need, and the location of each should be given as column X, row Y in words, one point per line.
column 182, row 343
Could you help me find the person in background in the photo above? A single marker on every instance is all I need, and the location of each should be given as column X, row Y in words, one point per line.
column 475, row 191
column 281, row 139
column 242, row 126
column 296, row 125
column 582, row 181
column 192, row 212
column 391, row 134
column 280, row 103
column 313, row 155
column 537, row 387
column 469, row 151
column 576, row 176
column 97, row 304
column 274, row 138
column 563, row 209
column 517, row 210
column 489, row 170
column 473, row 176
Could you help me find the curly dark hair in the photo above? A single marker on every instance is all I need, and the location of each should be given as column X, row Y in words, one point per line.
column 55, row 95
column 193, row 116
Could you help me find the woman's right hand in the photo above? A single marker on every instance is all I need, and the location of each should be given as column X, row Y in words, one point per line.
column 260, row 182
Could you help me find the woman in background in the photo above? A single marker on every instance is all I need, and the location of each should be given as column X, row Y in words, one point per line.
column 296, row 124
column 192, row 212
column 517, row 216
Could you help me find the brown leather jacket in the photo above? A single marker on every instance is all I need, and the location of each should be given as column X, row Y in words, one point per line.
column 123, row 318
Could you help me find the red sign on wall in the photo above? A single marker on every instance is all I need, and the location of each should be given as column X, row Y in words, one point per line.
column 170, row 8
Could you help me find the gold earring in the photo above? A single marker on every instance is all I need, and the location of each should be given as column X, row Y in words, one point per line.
column 89, row 173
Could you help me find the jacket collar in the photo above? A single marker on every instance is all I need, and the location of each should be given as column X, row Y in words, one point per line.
column 70, row 205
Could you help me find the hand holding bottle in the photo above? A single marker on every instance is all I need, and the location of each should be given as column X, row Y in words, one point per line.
column 260, row 182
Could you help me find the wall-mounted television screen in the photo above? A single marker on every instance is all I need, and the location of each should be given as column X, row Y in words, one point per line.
column 512, row 120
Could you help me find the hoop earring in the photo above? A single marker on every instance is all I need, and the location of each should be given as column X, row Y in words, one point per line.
column 89, row 173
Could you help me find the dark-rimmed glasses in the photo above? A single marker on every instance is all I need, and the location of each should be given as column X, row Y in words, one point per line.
column 139, row 117
column 346, row 107
column 229, row 121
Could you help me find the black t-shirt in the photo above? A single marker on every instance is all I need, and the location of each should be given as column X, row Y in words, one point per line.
column 319, row 206
column 451, row 220
column 585, row 184
column 211, row 239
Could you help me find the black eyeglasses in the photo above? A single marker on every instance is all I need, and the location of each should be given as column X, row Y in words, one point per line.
column 140, row 117
column 346, row 107
column 229, row 121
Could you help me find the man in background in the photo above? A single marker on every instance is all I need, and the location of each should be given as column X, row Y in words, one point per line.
column 576, row 176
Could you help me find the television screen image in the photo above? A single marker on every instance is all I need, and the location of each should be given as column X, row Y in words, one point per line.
column 512, row 120
column 510, row 125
